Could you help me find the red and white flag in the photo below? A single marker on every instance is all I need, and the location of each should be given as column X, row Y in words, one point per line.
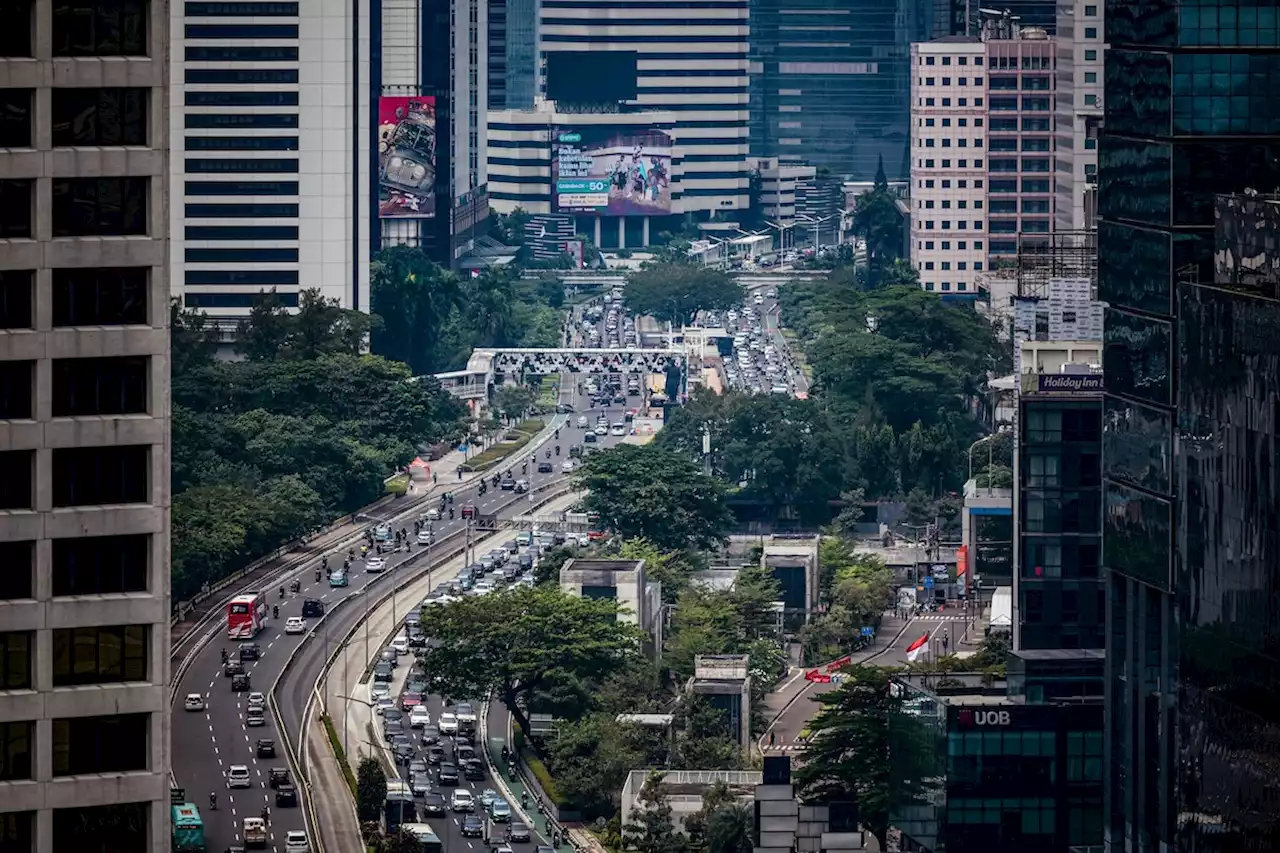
column 918, row 647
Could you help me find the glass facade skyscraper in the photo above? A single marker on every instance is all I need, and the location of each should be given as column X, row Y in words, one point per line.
column 1191, row 473
column 830, row 82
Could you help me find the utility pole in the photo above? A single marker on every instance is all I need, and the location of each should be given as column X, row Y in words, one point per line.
column 706, row 448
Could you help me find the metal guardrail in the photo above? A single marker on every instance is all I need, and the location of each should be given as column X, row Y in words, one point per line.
column 298, row 766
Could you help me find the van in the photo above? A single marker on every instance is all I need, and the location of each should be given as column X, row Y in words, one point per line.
column 254, row 831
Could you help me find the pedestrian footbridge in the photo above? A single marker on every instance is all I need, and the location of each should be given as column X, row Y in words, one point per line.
column 489, row 367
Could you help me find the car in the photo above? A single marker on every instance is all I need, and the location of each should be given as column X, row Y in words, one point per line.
column 432, row 514
column 433, row 802
column 383, row 671
column 295, row 625
column 582, row 422
column 380, row 691
column 507, row 485
column 265, row 748
column 287, row 796
column 499, row 811
column 426, row 537
column 473, row 770
column 430, row 735
column 193, row 702
column 447, row 774
column 772, row 293
column 519, row 832
column 312, row 608
column 238, row 776
column 488, row 795
column 464, row 752
column 589, row 438
column 420, row 783
column 278, row 776
column 375, row 564
column 448, row 723
column 472, row 826
column 295, row 841
column 618, row 429
column 435, row 754
column 250, row 651
column 419, row 717
column 393, row 730
column 256, row 700
column 400, row 644
column 338, row 579
column 411, row 701
column 545, row 467
column 522, row 486
column 255, row 717
column 232, row 668
column 601, row 429
column 403, row 748
column 566, row 466
column 240, row 683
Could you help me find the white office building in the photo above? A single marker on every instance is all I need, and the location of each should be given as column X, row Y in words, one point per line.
column 269, row 122
column 948, row 163
column 692, row 62
column 1078, row 107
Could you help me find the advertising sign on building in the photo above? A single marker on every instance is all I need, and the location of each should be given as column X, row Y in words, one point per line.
column 611, row 170
column 406, row 157
column 1069, row 383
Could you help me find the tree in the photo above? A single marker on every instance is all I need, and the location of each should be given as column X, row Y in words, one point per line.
column 675, row 292
column 706, row 742
column 591, row 758
column 371, row 789
column 652, row 829
column 851, row 754
column 714, row 798
column 510, row 643
column 514, row 400
column 731, row 829
column 547, row 569
column 401, row 841
column 644, row 491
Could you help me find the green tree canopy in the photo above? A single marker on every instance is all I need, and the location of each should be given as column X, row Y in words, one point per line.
column 371, row 789
column 652, row 829
column 644, row 491
column 675, row 292
column 512, row 643
column 731, row 829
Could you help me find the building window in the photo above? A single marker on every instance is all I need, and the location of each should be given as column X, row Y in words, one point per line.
column 100, row 386
column 15, row 42
column 15, row 660
column 16, row 476
column 100, row 28
column 17, row 832
column 1091, row 76
column 15, row 761
column 101, row 655
column 1091, row 56
column 101, row 565
column 96, row 476
column 99, row 207
column 17, row 570
column 16, row 299
column 99, row 117
column 15, row 209
column 106, row 296
column 112, row 744
column 1091, row 32
column 122, row 828
column 15, row 117
column 17, row 389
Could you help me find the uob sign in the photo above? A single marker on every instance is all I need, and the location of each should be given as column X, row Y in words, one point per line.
column 984, row 718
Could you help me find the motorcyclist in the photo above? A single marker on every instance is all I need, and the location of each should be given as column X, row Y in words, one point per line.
column 505, row 752
column 318, row 574
column 557, row 434
column 282, row 592
column 557, row 450
column 224, row 655
column 275, row 612
column 548, row 452
column 266, row 814
column 451, row 512
column 524, row 799
column 213, row 801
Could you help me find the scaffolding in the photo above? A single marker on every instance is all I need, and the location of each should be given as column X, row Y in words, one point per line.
column 1064, row 254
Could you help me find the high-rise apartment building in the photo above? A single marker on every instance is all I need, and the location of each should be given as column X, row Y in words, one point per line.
column 1078, row 114
column 270, row 126
column 948, row 17
column 830, row 81
column 948, row 163
column 513, row 54
column 1191, row 508
column 84, row 414
column 691, row 60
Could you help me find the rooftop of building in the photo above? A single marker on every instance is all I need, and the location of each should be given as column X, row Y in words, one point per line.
column 576, row 565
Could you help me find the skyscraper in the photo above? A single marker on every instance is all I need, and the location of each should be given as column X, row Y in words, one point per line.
column 830, row 82
column 84, row 415
column 1190, row 420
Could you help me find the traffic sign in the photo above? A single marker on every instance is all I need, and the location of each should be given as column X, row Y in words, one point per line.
column 928, row 583
column 462, row 448
column 177, row 796
column 868, row 631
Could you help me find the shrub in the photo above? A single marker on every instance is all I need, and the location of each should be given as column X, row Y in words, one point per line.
column 530, row 427
column 543, row 775
column 340, row 753
column 398, row 485
column 494, row 455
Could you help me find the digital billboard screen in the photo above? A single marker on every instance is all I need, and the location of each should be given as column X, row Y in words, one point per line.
column 611, row 170
column 406, row 157
column 581, row 77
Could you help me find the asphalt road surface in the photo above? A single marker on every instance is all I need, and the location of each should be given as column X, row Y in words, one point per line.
column 207, row 743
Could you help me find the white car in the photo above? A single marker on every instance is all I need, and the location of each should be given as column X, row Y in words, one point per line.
column 375, row 564
column 566, row 466
column 582, row 421
column 257, row 700
column 618, row 429
column 419, row 717
column 601, row 429
column 295, row 841
column 772, row 294
column 759, row 300
column 295, row 625
column 426, row 537
column 401, row 645
column 238, row 777
column 432, row 514
column 194, row 702
column 448, row 724
column 462, row 801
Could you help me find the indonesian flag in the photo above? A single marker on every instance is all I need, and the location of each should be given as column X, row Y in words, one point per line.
column 917, row 648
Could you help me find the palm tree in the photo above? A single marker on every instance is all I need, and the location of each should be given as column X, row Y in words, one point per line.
column 731, row 829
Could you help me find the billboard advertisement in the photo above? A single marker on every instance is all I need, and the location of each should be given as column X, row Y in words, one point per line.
column 611, row 170
column 406, row 157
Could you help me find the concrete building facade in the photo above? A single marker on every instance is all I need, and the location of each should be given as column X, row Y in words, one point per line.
column 84, row 420
column 269, row 118
column 1078, row 113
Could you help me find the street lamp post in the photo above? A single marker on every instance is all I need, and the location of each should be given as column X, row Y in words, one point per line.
column 346, row 703
column 990, row 457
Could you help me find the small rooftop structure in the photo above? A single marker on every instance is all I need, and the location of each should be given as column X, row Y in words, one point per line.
column 686, row 788
column 639, row 599
column 725, row 681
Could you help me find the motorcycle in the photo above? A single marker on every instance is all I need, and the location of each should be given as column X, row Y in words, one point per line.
column 282, row 592
column 548, row 452
column 275, row 612
column 450, row 512
column 296, row 586
column 557, row 450
column 317, row 574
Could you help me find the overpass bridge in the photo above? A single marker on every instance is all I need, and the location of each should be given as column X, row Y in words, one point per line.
column 487, row 368
column 748, row 279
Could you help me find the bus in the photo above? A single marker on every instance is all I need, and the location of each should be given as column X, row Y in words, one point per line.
column 188, row 829
column 246, row 615
column 425, row 835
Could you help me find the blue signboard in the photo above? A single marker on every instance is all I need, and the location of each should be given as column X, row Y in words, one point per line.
column 868, row 631
column 928, row 583
column 462, row 448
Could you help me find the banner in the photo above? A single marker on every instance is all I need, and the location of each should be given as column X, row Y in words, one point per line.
column 611, row 170
column 406, row 157
column 839, row 663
